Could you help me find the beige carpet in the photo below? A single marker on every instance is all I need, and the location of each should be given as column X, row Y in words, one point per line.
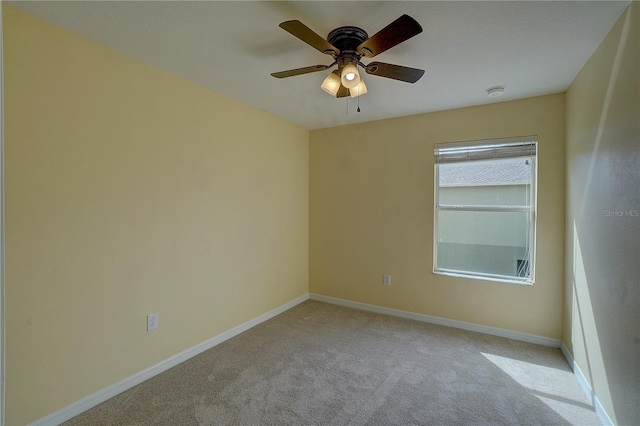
column 321, row 364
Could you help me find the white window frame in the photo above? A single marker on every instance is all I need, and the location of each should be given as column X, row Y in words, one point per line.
column 478, row 150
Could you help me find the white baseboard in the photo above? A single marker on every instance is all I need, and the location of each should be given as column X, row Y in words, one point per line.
column 102, row 395
column 510, row 334
column 600, row 411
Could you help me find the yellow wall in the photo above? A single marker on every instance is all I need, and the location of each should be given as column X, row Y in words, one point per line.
column 371, row 205
column 602, row 298
column 131, row 191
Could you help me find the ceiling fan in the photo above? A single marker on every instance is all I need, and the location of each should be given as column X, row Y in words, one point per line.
column 347, row 45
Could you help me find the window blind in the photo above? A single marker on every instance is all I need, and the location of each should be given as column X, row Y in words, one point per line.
column 453, row 152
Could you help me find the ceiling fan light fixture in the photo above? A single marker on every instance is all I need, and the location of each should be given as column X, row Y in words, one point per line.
column 350, row 76
column 360, row 89
column 347, row 45
column 331, row 84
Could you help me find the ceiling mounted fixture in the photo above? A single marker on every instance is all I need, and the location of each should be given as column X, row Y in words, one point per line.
column 347, row 45
column 494, row 92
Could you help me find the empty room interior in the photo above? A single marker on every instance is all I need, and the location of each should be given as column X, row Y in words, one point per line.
column 437, row 246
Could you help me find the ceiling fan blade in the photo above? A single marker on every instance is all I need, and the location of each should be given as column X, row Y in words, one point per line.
column 396, row 72
column 307, row 35
column 342, row 92
column 299, row 71
column 393, row 34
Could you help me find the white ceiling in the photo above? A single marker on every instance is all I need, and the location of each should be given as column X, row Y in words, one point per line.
column 531, row 47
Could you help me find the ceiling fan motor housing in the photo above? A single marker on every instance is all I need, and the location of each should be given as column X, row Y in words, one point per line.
column 347, row 39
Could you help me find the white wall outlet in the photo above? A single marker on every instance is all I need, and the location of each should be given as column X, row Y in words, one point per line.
column 152, row 321
column 386, row 279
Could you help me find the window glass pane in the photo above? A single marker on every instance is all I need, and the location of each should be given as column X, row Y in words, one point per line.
column 501, row 182
column 484, row 242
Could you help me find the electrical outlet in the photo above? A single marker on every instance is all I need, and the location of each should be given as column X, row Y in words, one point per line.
column 152, row 321
column 386, row 279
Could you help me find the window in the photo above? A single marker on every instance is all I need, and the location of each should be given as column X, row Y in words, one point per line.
column 485, row 209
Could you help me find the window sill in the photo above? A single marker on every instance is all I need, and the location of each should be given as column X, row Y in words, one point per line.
column 495, row 278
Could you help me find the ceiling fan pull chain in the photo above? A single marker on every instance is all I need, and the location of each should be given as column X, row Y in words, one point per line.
column 358, row 98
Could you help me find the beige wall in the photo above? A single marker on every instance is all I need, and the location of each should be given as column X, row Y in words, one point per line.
column 371, row 204
column 602, row 299
column 131, row 191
